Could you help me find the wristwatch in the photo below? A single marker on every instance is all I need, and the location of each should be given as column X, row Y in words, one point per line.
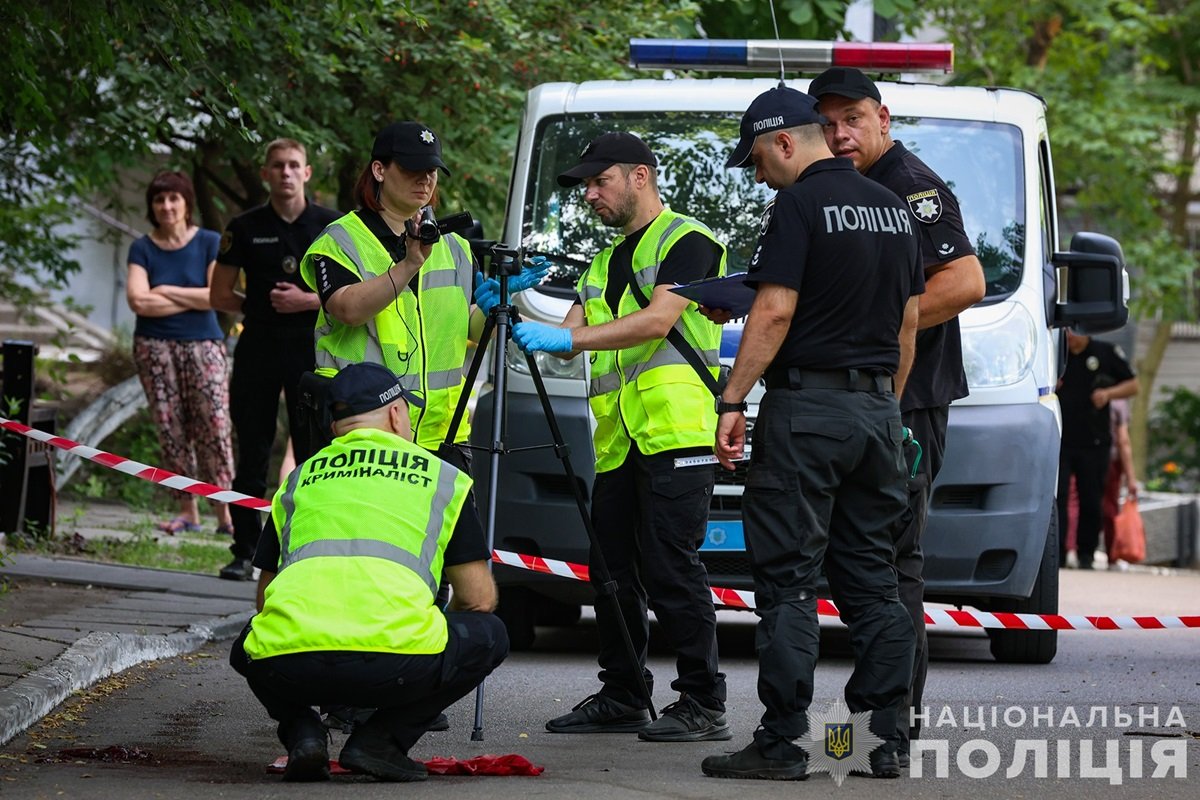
column 725, row 408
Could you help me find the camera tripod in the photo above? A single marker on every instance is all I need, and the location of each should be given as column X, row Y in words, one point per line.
column 505, row 262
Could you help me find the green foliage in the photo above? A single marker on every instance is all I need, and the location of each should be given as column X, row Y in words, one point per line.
column 125, row 82
column 148, row 551
column 1174, row 458
column 142, row 549
column 797, row 19
column 1122, row 91
column 137, row 439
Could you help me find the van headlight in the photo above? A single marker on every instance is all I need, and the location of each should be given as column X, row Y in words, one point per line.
column 550, row 366
column 1000, row 353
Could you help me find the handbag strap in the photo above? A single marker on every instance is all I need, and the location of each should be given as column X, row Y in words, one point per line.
column 673, row 336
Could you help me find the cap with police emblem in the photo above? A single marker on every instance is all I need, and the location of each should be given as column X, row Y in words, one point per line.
column 605, row 150
column 774, row 110
column 364, row 387
column 411, row 145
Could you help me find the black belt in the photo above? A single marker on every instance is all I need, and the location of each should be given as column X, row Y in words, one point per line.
column 850, row 380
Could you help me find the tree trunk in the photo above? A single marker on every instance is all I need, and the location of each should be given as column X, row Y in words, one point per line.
column 1147, row 369
column 347, row 176
column 1044, row 33
column 208, row 215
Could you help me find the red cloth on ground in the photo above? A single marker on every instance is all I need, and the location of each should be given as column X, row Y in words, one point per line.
column 511, row 764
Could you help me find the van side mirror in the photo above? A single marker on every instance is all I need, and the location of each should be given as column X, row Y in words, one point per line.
column 1093, row 287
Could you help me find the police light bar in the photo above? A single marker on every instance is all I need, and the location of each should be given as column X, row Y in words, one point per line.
column 763, row 55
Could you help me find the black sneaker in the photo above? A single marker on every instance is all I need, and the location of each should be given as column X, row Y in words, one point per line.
column 308, row 752
column 750, row 763
column 439, row 723
column 598, row 713
column 903, row 758
column 883, row 765
column 240, row 569
column 686, row 720
column 373, row 754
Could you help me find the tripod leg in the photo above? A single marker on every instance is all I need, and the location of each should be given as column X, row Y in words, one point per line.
column 606, row 587
column 460, row 410
column 498, row 323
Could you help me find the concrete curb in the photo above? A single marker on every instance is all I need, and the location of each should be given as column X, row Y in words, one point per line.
column 97, row 656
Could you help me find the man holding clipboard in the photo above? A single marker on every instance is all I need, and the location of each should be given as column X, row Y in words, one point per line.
column 651, row 406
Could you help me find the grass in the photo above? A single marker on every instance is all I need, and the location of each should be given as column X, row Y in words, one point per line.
column 141, row 550
column 146, row 552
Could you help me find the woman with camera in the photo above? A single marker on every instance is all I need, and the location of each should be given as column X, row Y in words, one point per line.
column 396, row 290
column 389, row 297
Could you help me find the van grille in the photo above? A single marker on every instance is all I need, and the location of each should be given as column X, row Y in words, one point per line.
column 719, row 564
column 959, row 497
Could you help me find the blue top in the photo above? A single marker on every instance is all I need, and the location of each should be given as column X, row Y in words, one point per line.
column 188, row 267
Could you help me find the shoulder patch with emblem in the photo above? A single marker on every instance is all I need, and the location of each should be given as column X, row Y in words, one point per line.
column 926, row 205
column 765, row 222
column 226, row 241
column 1120, row 351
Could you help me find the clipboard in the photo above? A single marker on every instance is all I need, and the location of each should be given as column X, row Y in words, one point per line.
column 729, row 293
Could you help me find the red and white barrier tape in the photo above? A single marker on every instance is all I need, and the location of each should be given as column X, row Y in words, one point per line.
column 735, row 598
column 138, row 470
column 731, row 598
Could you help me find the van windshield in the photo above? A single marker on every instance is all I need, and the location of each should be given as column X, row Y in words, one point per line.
column 980, row 161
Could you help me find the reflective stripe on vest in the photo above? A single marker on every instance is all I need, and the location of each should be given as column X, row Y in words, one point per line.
column 648, row 392
column 425, row 332
column 372, row 548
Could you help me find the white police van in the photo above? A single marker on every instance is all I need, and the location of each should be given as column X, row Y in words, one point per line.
column 992, row 539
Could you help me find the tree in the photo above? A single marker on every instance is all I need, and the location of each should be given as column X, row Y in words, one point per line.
column 1121, row 80
column 94, row 89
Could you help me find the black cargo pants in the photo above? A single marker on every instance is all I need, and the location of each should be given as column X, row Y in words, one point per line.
column 266, row 361
column 826, row 484
column 407, row 691
column 650, row 519
column 928, row 426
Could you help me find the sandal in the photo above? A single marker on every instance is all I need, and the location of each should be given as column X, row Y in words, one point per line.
column 178, row 525
column 225, row 529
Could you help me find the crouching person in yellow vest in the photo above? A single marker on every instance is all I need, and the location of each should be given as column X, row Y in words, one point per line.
column 365, row 529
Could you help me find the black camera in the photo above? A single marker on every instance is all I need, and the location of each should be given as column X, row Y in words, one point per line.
column 430, row 229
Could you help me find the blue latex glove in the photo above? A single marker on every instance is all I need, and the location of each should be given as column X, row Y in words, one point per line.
column 487, row 293
column 531, row 336
column 535, row 272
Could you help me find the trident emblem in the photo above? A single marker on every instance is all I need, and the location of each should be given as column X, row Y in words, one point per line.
column 838, row 739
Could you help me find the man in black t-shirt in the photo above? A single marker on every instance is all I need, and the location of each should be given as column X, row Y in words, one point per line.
column 858, row 128
column 832, row 326
column 1096, row 373
column 276, row 343
column 651, row 407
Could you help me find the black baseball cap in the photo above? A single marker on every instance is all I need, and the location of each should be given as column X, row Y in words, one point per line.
column 411, row 145
column 360, row 388
column 773, row 110
column 604, row 151
column 846, row 82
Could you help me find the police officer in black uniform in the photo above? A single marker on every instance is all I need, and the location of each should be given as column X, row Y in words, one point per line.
column 858, row 128
column 1096, row 373
column 276, row 344
column 831, row 329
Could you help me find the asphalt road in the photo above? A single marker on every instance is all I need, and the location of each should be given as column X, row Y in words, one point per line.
column 201, row 733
